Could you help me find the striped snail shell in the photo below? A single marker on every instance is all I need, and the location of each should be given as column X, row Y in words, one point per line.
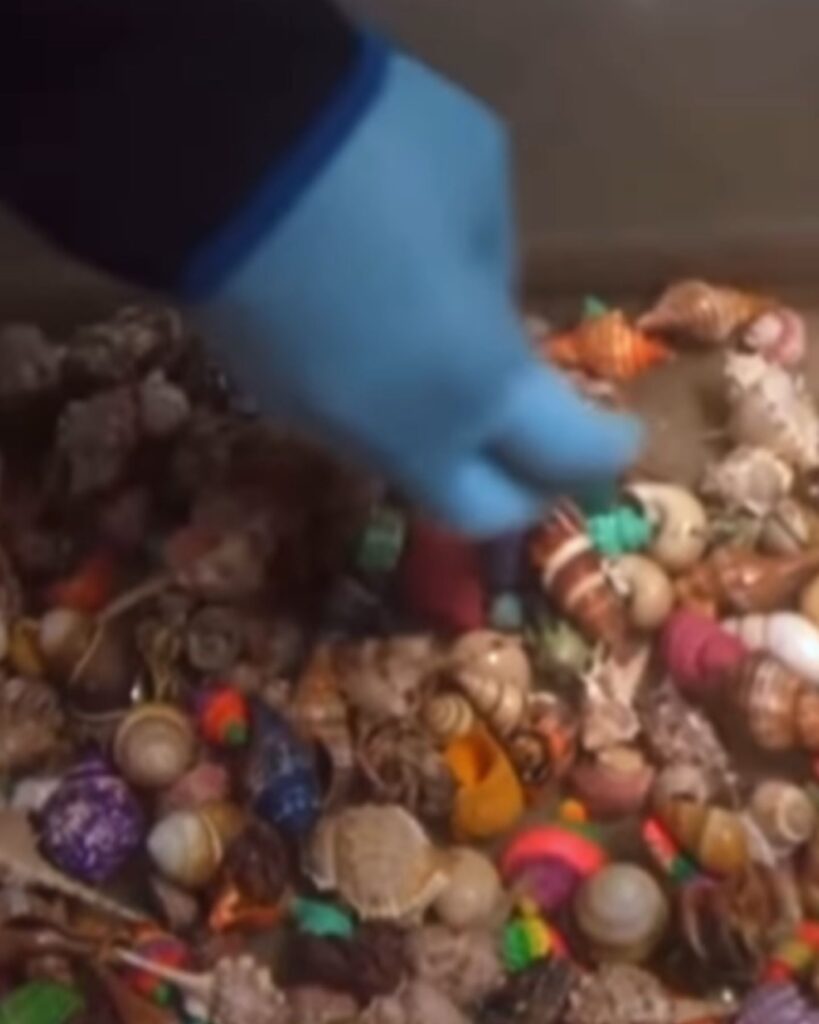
column 154, row 745
column 448, row 715
column 188, row 846
column 785, row 814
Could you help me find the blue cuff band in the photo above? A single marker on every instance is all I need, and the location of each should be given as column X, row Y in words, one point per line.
column 279, row 190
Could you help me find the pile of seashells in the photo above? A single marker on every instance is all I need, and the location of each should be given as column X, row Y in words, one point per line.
column 276, row 750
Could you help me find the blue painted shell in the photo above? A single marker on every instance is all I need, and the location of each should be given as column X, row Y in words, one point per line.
column 281, row 776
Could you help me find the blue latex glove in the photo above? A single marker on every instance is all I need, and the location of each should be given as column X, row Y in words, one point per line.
column 379, row 314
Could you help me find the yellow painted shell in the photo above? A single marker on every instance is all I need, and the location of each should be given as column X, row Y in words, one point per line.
column 154, row 745
column 717, row 838
column 188, row 846
column 378, row 859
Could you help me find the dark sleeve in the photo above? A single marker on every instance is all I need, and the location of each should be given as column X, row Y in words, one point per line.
column 133, row 131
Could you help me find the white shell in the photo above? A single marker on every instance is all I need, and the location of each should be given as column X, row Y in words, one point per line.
column 188, row 846
column 790, row 637
column 646, row 587
column 770, row 407
column 749, row 479
column 680, row 520
column 785, row 814
column 622, row 913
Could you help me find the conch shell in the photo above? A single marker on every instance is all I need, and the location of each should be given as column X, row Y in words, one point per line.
column 572, row 574
column 703, row 313
column 739, row 580
column 772, row 409
column 607, row 346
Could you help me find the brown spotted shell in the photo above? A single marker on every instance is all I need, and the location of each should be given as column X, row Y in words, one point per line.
column 154, row 745
column 378, row 859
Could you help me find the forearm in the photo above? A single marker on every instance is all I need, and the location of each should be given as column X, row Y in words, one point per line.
column 136, row 131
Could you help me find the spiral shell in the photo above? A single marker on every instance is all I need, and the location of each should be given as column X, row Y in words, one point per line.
column 607, row 346
column 622, row 913
column 786, row 636
column 703, row 313
column 785, row 813
column 715, row 837
column 681, row 532
column 781, row 710
column 572, row 574
column 188, row 846
column 154, row 745
column 646, row 588
column 544, row 746
column 447, row 715
column 749, row 479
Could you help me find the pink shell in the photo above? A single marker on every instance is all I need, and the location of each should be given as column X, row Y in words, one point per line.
column 780, row 336
column 700, row 655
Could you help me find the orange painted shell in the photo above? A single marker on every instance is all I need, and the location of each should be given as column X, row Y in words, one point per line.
column 607, row 346
column 702, row 312
column 572, row 575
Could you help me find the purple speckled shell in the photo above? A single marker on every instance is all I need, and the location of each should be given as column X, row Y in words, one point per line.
column 91, row 823
column 550, row 882
column 777, row 1004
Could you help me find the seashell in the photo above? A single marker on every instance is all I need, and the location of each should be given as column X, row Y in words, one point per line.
column 30, row 724
column 786, row 636
column 254, row 875
column 572, row 575
column 625, row 994
column 319, row 714
column 771, row 409
column 681, row 525
column 703, row 313
column 64, row 637
column 739, row 580
column 493, row 671
column 383, row 678
column 473, row 894
column 749, row 479
column 236, row 991
column 378, row 859
column 544, row 746
column 489, row 798
column 464, row 965
column 646, row 589
column 447, row 716
column 715, row 837
column 683, row 781
column 701, row 656
column 608, row 716
column 154, row 745
column 622, row 914
column 92, row 823
column 781, row 710
column 536, row 995
column 188, row 846
column 214, row 639
column 777, row 1002
column 613, row 784
column 791, row 527
column 607, row 346
column 402, row 766
column 415, row 1002
column 280, row 775
column 780, row 336
column 785, row 814
column 809, row 601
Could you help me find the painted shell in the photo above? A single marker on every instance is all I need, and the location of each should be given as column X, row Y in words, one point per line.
column 701, row 657
column 734, row 579
column 447, row 715
column 785, row 813
column 383, row 678
column 493, row 671
column 703, row 313
column 572, row 575
column 280, row 775
column 319, row 713
column 614, row 784
column 403, row 766
column 544, row 746
column 489, row 798
column 622, row 913
column 786, row 636
column 463, row 965
column 646, row 589
column 781, row 710
column 771, row 409
column 92, row 823
column 681, row 525
column 30, row 724
column 378, row 859
column 780, row 336
column 717, row 838
column 188, row 846
column 154, row 745
column 749, row 479
column 607, row 346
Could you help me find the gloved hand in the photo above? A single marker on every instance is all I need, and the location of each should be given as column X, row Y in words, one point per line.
column 378, row 313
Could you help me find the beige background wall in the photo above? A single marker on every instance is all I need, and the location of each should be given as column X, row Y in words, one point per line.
column 653, row 136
